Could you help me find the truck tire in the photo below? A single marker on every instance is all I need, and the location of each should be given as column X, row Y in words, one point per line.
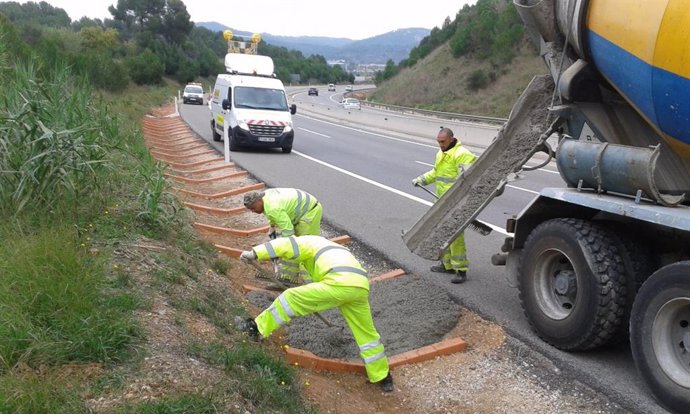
column 572, row 284
column 660, row 335
column 639, row 263
column 216, row 136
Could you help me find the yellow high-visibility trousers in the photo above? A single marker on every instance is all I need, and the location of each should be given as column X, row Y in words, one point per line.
column 353, row 303
column 455, row 257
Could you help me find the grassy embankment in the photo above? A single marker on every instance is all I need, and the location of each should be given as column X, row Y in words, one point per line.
column 77, row 187
column 440, row 82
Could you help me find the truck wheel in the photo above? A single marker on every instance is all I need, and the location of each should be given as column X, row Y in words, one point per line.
column 660, row 335
column 572, row 284
column 639, row 263
column 216, row 136
column 287, row 150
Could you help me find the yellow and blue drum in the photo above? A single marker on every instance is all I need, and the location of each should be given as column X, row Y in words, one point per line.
column 642, row 47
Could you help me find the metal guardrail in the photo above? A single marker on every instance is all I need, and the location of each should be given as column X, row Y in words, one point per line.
column 417, row 111
column 438, row 114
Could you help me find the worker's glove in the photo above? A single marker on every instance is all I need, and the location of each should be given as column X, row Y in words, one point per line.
column 247, row 256
column 273, row 234
column 416, row 182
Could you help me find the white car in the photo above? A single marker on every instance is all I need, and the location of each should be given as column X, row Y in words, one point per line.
column 348, row 88
column 193, row 92
column 351, row 103
column 331, row 87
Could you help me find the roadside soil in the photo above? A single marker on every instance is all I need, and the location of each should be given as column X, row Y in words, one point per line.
column 496, row 374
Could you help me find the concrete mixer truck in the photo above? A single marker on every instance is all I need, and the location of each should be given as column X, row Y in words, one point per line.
column 606, row 257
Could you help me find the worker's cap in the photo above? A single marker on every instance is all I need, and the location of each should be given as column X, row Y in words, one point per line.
column 251, row 197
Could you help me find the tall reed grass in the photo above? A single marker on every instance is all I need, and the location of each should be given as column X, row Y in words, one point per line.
column 54, row 141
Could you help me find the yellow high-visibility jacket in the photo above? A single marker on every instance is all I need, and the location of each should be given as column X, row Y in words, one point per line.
column 447, row 167
column 285, row 207
column 324, row 260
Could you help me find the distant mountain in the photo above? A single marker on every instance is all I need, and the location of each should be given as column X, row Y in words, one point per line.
column 395, row 45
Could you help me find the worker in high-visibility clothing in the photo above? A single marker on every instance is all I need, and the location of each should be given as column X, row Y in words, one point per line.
column 339, row 280
column 451, row 160
column 290, row 212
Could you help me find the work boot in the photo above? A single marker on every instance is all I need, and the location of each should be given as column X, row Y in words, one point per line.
column 459, row 277
column 248, row 326
column 387, row 383
column 439, row 268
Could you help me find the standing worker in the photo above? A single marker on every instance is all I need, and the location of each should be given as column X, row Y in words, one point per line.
column 290, row 212
column 451, row 160
column 339, row 280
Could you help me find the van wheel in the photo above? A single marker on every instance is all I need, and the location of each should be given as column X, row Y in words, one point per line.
column 216, row 136
column 287, row 150
column 233, row 142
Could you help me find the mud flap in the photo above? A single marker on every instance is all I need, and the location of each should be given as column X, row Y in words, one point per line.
column 527, row 128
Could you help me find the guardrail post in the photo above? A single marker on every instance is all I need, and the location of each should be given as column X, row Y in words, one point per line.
column 226, row 141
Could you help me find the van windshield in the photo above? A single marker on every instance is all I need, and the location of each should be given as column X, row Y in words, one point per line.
column 260, row 98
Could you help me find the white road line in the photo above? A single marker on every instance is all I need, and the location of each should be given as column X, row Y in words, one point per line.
column 382, row 186
column 371, row 133
column 424, row 163
column 545, row 170
column 314, row 132
column 522, row 189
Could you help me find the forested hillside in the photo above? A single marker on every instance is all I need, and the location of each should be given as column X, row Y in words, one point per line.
column 144, row 41
column 477, row 63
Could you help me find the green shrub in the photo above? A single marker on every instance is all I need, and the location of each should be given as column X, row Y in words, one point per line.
column 477, row 80
column 146, row 68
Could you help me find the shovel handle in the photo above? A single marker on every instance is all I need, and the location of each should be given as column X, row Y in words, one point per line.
column 324, row 320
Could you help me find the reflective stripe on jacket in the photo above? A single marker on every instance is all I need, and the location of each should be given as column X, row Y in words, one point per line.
column 324, row 260
column 447, row 167
column 285, row 207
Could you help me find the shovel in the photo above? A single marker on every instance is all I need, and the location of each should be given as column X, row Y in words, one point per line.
column 265, row 274
column 475, row 225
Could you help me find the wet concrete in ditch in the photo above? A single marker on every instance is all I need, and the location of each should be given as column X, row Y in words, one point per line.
column 408, row 313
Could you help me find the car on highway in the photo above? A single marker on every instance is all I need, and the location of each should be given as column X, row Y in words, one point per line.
column 313, row 91
column 331, row 87
column 193, row 92
column 348, row 88
column 351, row 103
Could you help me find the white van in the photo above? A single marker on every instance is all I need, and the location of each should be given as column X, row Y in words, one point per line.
column 254, row 103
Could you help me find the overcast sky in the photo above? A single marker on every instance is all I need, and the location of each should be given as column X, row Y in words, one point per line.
column 354, row 19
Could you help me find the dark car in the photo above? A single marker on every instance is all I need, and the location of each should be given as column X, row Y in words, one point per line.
column 313, row 91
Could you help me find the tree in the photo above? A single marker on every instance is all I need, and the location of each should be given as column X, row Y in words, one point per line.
column 176, row 23
column 95, row 38
column 41, row 13
column 139, row 15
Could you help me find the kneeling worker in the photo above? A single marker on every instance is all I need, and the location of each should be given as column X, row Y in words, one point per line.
column 339, row 280
column 292, row 212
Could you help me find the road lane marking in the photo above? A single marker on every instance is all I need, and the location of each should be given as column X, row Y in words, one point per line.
column 392, row 138
column 382, row 186
column 522, row 189
column 314, row 132
column 424, row 163
column 371, row 133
